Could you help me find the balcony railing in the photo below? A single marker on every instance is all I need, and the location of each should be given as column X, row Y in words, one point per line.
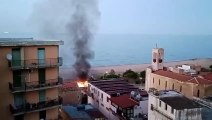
column 32, row 86
column 35, row 63
column 34, row 107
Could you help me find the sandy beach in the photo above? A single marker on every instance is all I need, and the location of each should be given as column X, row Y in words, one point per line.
column 66, row 73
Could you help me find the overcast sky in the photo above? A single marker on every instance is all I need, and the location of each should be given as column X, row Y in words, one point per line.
column 126, row 16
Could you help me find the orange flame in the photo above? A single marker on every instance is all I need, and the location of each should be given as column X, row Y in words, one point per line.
column 82, row 84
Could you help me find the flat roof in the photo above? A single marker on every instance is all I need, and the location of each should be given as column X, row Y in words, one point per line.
column 176, row 100
column 113, row 86
column 28, row 42
column 180, row 102
column 83, row 112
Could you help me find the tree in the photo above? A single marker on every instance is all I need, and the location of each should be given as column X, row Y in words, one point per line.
column 112, row 72
column 130, row 74
column 143, row 74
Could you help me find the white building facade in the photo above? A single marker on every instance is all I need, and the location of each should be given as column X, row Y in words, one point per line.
column 112, row 98
column 170, row 105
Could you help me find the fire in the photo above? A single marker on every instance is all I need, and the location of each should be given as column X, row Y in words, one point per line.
column 82, row 84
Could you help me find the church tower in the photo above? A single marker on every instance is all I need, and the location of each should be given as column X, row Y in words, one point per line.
column 157, row 58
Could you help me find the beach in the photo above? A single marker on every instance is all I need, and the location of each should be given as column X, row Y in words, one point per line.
column 67, row 73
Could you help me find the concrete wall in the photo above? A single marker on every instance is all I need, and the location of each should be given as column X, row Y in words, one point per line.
column 6, row 77
column 142, row 108
column 188, row 114
column 102, row 105
column 154, row 114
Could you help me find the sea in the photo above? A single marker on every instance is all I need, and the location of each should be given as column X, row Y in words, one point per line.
column 125, row 49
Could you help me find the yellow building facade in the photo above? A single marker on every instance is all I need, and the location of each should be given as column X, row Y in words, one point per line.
column 29, row 79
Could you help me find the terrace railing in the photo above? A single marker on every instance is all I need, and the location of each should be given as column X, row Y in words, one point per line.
column 35, row 63
column 34, row 107
column 35, row 85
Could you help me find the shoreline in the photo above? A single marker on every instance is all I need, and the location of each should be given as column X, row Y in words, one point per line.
column 66, row 73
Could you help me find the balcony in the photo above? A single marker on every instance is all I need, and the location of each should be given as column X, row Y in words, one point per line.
column 35, row 63
column 33, row 86
column 35, row 107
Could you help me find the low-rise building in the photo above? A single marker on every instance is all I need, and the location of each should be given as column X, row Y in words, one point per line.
column 171, row 105
column 117, row 99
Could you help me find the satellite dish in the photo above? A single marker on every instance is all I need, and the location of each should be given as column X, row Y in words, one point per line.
column 138, row 97
column 9, row 57
column 132, row 93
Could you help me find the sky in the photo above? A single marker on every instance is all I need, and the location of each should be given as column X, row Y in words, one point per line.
column 126, row 16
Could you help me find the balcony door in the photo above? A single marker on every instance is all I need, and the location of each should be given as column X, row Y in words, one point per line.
column 42, row 76
column 42, row 96
column 19, row 99
column 16, row 57
column 41, row 56
column 17, row 79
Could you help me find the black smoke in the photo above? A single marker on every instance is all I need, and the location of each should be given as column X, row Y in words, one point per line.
column 76, row 18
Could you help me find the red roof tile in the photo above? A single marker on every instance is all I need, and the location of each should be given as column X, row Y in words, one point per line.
column 208, row 76
column 182, row 77
column 124, row 101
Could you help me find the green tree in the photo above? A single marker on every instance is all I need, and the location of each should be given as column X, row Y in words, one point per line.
column 142, row 74
column 130, row 74
column 112, row 72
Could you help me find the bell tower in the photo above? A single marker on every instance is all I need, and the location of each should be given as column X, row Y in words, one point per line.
column 157, row 58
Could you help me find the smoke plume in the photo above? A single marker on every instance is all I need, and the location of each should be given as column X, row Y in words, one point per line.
column 81, row 30
column 78, row 19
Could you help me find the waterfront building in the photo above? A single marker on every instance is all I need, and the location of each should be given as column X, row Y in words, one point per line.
column 186, row 79
column 29, row 71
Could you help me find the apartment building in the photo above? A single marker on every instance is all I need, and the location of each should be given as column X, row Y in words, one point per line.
column 185, row 79
column 171, row 105
column 29, row 71
column 117, row 99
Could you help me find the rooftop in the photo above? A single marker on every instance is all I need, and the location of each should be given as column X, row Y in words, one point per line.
column 114, row 86
column 183, row 77
column 180, row 102
column 28, row 42
column 83, row 112
column 175, row 99
column 124, row 101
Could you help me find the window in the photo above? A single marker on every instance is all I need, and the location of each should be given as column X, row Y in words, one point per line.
column 166, row 85
column 151, row 107
column 180, row 88
column 172, row 111
column 41, row 56
column 160, row 103
column 165, row 106
column 102, row 96
column 102, row 105
column 197, row 93
column 153, row 80
column 159, row 81
column 98, row 93
column 173, row 86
